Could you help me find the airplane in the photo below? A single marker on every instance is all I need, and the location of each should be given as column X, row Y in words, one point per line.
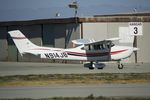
column 87, row 50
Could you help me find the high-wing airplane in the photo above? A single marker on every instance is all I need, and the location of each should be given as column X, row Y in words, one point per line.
column 88, row 50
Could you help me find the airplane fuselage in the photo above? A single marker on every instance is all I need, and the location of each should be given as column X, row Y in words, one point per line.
column 116, row 53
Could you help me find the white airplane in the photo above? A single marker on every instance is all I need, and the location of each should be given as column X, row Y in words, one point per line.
column 88, row 50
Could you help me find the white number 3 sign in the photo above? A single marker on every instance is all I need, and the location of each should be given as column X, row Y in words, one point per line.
column 136, row 28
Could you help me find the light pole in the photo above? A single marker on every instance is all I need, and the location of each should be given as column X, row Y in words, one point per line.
column 74, row 5
column 135, row 37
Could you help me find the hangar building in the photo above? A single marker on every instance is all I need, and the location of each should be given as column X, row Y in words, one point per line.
column 60, row 32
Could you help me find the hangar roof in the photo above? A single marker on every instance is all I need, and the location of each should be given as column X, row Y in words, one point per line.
column 126, row 14
column 136, row 17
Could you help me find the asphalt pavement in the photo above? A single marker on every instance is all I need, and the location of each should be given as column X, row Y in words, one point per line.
column 25, row 68
column 133, row 90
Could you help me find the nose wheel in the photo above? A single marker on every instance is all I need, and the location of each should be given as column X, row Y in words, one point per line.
column 120, row 65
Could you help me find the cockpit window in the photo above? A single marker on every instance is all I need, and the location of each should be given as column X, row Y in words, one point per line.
column 112, row 44
column 102, row 46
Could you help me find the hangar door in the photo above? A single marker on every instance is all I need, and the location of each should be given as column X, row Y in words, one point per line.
column 3, row 44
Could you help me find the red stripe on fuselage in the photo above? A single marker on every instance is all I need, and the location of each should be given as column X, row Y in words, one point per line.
column 94, row 54
column 87, row 54
column 119, row 51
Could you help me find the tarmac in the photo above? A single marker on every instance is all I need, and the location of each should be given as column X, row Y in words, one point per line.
column 26, row 68
column 113, row 90
column 117, row 90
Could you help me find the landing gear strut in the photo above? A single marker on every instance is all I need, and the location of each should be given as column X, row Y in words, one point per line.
column 91, row 65
column 120, row 65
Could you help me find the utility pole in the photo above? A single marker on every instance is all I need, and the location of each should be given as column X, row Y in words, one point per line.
column 74, row 5
column 135, row 38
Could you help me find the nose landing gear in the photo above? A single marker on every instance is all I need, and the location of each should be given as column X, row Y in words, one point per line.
column 120, row 65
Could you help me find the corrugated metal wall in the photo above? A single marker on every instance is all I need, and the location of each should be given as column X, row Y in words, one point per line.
column 48, row 35
column 72, row 33
column 3, row 44
column 51, row 35
column 33, row 32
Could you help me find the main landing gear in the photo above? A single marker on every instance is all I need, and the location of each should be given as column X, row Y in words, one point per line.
column 91, row 67
column 96, row 65
column 120, row 65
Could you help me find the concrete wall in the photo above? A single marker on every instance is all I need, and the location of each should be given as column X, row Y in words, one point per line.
column 97, row 31
column 143, row 44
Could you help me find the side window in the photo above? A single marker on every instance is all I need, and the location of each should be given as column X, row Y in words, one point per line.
column 98, row 46
column 103, row 46
column 95, row 47
column 108, row 45
column 88, row 47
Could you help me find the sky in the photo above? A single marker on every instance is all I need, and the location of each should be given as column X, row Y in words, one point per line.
column 14, row 10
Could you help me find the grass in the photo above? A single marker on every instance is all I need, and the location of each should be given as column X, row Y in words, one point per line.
column 56, row 79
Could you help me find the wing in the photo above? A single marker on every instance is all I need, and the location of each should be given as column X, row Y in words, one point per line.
column 83, row 41
column 92, row 41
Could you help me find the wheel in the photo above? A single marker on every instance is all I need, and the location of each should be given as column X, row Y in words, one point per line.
column 120, row 66
column 100, row 68
column 91, row 68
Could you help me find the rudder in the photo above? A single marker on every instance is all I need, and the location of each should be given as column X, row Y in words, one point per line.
column 22, row 43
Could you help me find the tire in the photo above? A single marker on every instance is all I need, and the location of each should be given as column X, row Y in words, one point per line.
column 120, row 66
column 100, row 68
column 91, row 68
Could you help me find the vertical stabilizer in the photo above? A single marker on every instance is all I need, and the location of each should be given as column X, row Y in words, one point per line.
column 22, row 43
